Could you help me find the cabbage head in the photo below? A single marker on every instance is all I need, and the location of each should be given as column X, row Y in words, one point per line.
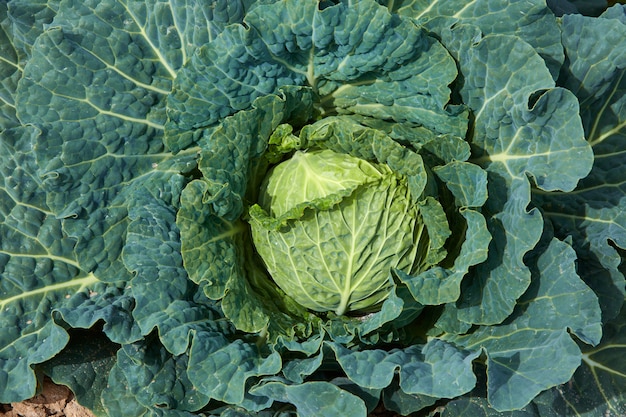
column 330, row 228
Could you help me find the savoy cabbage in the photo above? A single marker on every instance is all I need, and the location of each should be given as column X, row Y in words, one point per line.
column 314, row 208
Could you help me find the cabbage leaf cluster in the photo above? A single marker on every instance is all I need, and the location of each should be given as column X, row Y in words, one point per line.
column 135, row 136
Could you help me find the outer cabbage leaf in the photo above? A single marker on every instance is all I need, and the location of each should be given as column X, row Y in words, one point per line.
column 226, row 369
column 438, row 284
column 436, row 369
column 519, row 133
column 594, row 214
column 599, row 385
column 20, row 24
column 533, row 351
column 394, row 399
column 111, row 304
column 88, row 123
column 10, row 71
column 101, row 104
column 84, row 367
column 532, row 21
column 145, row 378
column 28, row 19
column 476, row 406
column 352, row 66
column 38, row 269
column 306, row 398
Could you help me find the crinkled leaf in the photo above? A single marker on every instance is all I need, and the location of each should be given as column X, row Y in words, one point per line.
column 181, row 319
column 335, row 51
column 533, row 351
column 146, row 376
column 215, row 252
column 214, row 240
column 111, row 303
column 345, row 134
column 10, row 71
column 532, row 21
column 594, row 214
column 341, row 286
column 230, row 153
column 153, row 254
column 21, row 22
column 209, row 243
column 101, row 104
column 221, row 369
column 29, row 19
column 306, row 356
column 38, row 268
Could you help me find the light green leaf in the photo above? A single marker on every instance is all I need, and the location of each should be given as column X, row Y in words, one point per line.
column 319, row 176
column 594, row 214
column 314, row 399
column 347, row 135
column 306, row 272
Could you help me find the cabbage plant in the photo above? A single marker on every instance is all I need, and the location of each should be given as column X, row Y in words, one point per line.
column 314, row 208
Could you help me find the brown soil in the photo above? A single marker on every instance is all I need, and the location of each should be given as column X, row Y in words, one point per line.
column 53, row 401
